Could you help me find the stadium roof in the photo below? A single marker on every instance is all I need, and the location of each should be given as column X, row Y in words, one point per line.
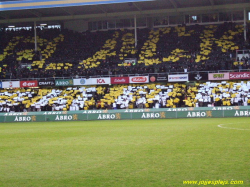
column 108, row 8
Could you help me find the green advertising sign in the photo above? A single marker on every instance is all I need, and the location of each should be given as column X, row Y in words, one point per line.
column 162, row 113
column 64, row 82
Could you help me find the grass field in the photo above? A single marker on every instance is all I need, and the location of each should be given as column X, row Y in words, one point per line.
column 124, row 153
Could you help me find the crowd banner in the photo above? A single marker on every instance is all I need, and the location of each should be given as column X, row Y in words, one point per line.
column 138, row 79
column 44, row 83
column 178, row 78
column 218, row 76
column 100, row 81
column 158, row 78
column 91, row 81
column 26, row 84
column 64, row 82
column 81, row 82
column 198, row 76
column 11, row 84
column 239, row 75
column 162, row 113
column 119, row 80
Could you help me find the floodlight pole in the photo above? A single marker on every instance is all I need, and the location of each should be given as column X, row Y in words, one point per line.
column 135, row 24
column 245, row 25
column 35, row 36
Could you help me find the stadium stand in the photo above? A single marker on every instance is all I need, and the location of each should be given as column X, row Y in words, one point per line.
column 218, row 94
column 205, row 44
column 224, row 93
column 170, row 49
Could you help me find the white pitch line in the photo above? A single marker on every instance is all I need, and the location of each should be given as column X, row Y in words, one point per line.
column 232, row 128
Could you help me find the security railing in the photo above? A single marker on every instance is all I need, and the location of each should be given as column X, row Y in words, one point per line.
column 128, row 75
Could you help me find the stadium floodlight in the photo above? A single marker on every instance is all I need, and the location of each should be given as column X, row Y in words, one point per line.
column 43, row 24
column 11, row 26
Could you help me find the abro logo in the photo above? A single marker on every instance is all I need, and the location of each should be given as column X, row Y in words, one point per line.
column 100, row 81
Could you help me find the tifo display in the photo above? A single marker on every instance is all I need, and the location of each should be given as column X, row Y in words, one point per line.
column 130, row 96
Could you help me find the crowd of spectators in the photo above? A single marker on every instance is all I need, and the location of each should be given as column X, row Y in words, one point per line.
column 134, row 96
column 77, row 47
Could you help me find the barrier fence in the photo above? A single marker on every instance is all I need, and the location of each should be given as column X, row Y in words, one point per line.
column 151, row 78
column 163, row 113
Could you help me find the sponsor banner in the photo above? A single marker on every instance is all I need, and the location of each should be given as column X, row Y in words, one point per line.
column 198, row 76
column 149, row 115
column 158, row 78
column 63, row 117
column 11, row 84
column 218, row 76
column 204, row 112
column 78, row 82
column 153, row 78
column 64, row 82
column 1, row 85
column 178, row 78
column 139, row 79
column 97, row 81
column 162, row 78
column 46, row 83
column 239, row 75
column 24, row 84
column 119, row 80
column 129, row 111
column 25, row 118
column 198, row 112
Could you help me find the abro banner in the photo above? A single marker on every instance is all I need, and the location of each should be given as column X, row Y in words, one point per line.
column 64, row 82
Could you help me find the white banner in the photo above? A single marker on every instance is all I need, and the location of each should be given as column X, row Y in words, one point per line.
column 97, row 81
column 139, row 79
column 178, row 78
column 11, row 84
column 78, row 82
column 91, row 81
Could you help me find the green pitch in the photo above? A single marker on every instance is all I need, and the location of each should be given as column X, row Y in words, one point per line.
column 124, row 153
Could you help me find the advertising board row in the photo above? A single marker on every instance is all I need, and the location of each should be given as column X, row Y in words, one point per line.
column 75, row 82
column 202, row 77
column 229, row 76
column 201, row 112
column 128, row 80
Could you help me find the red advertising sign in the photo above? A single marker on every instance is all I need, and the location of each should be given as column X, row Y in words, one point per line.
column 119, row 80
column 139, row 79
column 239, row 75
column 28, row 83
